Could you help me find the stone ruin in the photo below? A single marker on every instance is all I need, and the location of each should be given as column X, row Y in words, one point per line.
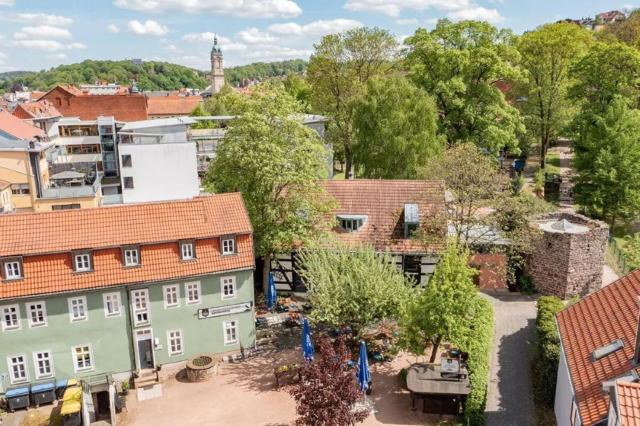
column 569, row 256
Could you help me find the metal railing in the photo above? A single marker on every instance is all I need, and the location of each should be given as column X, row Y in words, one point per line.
column 616, row 258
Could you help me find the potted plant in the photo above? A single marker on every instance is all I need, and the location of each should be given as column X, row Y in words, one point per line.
column 125, row 387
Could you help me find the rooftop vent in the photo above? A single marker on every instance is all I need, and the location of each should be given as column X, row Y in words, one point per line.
column 411, row 219
column 606, row 350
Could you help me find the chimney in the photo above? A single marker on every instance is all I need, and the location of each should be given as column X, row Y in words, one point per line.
column 636, row 353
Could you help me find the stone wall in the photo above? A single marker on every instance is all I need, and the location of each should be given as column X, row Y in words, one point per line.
column 492, row 270
column 567, row 264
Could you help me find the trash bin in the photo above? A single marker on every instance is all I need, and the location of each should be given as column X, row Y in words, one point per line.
column 61, row 385
column 43, row 393
column 17, row 397
column 72, row 406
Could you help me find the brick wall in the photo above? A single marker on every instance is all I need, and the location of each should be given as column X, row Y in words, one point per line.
column 492, row 270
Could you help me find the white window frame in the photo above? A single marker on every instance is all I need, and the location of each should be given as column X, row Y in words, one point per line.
column 170, row 339
column 36, row 365
column 28, row 306
column 81, row 303
column 192, row 252
column 3, row 319
column 227, row 325
column 187, row 295
column 141, row 310
column 12, row 276
column 10, row 365
column 231, row 280
column 76, row 367
column 131, row 256
column 228, row 246
column 115, row 301
column 166, row 290
column 85, row 262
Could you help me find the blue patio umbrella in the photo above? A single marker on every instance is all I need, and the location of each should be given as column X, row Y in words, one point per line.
column 307, row 344
column 364, row 377
column 272, row 294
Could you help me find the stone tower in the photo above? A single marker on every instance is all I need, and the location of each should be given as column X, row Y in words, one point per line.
column 217, row 70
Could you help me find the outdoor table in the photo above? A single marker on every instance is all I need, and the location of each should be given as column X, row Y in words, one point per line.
column 425, row 379
column 43, row 393
column 17, row 397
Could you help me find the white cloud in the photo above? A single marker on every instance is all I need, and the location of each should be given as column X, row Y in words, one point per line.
column 238, row 8
column 255, row 36
column 277, row 53
column 226, row 44
column 42, row 32
column 3, row 55
column 6, row 2
column 50, row 45
column 57, row 56
column 147, row 27
column 317, row 28
column 477, row 13
column 113, row 28
column 206, row 37
column 409, row 21
column 455, row 9
column 41, row 19
column 171, row 48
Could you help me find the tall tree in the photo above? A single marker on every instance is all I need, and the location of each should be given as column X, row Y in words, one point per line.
column 274, row 161
column 338, row 70
column 460, row 64
column 298, row 87
column 395, row 129
column 546, row 56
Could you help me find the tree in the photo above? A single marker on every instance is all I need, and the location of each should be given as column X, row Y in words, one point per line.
column 227, row 102
column 353, row 287
column 274, row 161
column 200, row 111
column 626, row 31
column 328, row 390
column 443, row 312
column 460, row 64
column 298, row 87
column 338, row 70
column 395, row 129
column 546, row 56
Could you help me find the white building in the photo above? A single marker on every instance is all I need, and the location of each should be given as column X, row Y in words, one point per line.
column 158, row 160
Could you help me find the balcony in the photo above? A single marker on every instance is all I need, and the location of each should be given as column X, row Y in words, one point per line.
column 140, row 138
column 71, row 184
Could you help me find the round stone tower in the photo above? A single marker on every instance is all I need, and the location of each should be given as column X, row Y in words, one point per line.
column 569, row 257
column 217, row 69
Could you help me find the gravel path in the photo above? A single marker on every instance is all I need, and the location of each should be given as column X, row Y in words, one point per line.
column 509, row 398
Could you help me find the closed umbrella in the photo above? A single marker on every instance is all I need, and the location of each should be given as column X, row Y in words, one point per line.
column 307, row 344
column 364, row 377
column 272, row 295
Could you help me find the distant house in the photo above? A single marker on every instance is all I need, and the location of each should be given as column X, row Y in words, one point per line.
column 600, row 357
column 12, row 127
column 41, row 114
column 171, row 105
column 610, row 17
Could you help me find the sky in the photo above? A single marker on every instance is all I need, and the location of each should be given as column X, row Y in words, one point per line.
column 39, row 34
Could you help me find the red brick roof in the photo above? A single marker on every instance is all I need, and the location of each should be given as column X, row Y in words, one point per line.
column 18, row 128
column 172, row 105
column 628, row 395
column 45, row 241
column 595, row 321
column 40, row 109
column 382, row 201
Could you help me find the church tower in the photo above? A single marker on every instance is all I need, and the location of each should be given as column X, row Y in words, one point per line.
column 217, row 70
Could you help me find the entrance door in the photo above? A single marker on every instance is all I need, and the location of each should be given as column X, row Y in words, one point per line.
column 144, row 340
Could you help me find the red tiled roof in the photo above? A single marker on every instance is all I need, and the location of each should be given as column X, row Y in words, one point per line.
column 628, row 395
column 172, row 105
column 40, row 109
column 45, row 241
column 18, row 128
column 595, row 321
column 382, row 201
column 36, row 95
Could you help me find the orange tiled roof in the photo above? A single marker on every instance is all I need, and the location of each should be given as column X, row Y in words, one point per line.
column 172, row 105
column 40, row 109
column 595, row 321
column 45, row 241
column 382, row 201
column 18, row 128
column 628, row 395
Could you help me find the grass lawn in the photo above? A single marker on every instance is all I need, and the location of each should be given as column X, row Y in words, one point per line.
column 552, row 163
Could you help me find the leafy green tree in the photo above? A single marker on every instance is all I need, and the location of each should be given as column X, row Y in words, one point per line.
column 631, row 251
column 353, row 287
column 200, row 111
column 626, row 31
column 274, row 161
column 264, row 70
column 546, row 56
column 444, row 310
column 459, row 64
column 338, row 70
column 395, row 129
column 298, row 87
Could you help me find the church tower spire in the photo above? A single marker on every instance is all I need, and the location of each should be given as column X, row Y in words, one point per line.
column 217, row 69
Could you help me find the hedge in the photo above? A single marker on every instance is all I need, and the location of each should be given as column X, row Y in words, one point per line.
column 545, row 361
column 479, row 344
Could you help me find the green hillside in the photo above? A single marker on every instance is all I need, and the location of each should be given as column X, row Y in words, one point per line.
column 263, row 70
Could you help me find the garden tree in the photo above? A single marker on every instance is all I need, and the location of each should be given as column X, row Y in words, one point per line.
column 546, row 56
column 394, row 129
column 444, row 310
column 338, row 70
column 607, row 164
column 353, row 287
column 226, row 102
column 274, row 161
column 631, row 251
column 328, row 390
column 460, row 64
column 199, row 111
column 298, row 87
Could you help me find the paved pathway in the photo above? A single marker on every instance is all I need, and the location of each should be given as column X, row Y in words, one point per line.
column 509, row 398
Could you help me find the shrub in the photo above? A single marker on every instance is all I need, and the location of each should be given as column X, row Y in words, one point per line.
column 526, row 284
column 538, row 182
column 545, row 363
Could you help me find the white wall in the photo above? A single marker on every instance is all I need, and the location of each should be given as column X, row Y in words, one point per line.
column 564, row 393
column 165, row 171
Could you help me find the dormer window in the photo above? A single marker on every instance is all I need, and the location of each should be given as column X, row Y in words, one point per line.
column 131, row 256
column 351, row 223
column 82, row 261
column 187, row 250
column 411, row 219
column 12, row 269
column 228, row 245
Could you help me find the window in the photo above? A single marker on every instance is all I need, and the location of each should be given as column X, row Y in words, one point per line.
column 351, row 225
column 111, row 304
column 65, row 207
column 82, row 262
column 192, row 290
column 131, row 256
column 228, row 287
column 17, row 368
column 77, row 308
column 37, row 314
column 187, row 251
column 171, row 296
column 128, row 182
column 20, row 189
column 10, row 317
column 12, row 269
column 140, row 301
column 228, row 245
column 43, row 364
column 230, row 332
column 174, row 338
column 126, row 160
column 82, row 359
